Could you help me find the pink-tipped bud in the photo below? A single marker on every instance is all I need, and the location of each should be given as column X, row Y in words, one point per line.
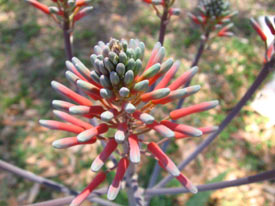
column 188, row 130
column 184, row 78
column 90, row 133
column 168, row 76
column 39, row 6
column 134, row 148
column 176, row 114
column 165, row 161
column 104, row 155
column 85, row 193
column 115, row 186
column 65, row 91
column 258, row 29
column 187, row 183
column 161, row 129
column 52, row 124
column 71, row 119
column 69, row 142
column 82, row 13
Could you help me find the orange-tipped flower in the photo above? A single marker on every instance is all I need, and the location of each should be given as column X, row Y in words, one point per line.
column 115, row 91
column 39, row 6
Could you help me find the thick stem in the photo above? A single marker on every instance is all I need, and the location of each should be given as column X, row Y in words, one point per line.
column 214, row 186
column 67, row 37
column 267, row 68
column 163, row 24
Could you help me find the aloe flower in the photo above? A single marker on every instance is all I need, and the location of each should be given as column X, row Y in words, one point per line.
column 270, row 49
column 116, row 93
column 75, row 9
column 214, row 15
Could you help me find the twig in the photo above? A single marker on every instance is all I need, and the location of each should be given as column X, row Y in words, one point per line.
column 35, row 178
column 218, row 185
column 267, row 68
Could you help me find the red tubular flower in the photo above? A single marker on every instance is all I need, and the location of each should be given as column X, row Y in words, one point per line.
column 164, row 159
column 194, row 18
column 71, row 119
column 71, row 94
column 168, row 76
column 69, row 142
column 176, row 114
column 39, row 6
column 99, row 178
column 90, row 133
column 104, row 155
column 185, row 77
column 188, row 130
column 258, row 29
column 51, row 124
column 80, row 3
column 162, row 130
column 115, row 186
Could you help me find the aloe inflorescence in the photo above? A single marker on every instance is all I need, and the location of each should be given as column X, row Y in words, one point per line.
column 116, row 93
column 64, row 10
column 214, row 15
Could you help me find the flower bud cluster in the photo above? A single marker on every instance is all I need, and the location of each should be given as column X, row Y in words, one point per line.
column 116, row 93
column 70, row 10
column 214, row 15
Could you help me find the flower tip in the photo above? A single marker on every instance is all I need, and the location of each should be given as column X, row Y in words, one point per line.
column 112, row 192
column 96, row 165
column 43, row 122
column 56, row 144
column 197, row 133
column 135, row 158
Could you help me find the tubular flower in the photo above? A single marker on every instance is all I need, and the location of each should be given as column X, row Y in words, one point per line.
column 116, row 93
column 214, row 15
column 72, row 10
column 270, row 49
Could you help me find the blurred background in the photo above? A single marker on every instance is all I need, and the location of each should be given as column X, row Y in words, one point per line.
column 31, row 55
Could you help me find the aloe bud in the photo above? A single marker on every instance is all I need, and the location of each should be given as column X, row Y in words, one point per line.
column 120, row 69
column 95, row 76
column 124, row 92
column 105, row 82
column 106, row 93
column 129, row 77
column 114, row 78
column 108, row 64
column 130, row 64
column 142, row 86
column 113, row 57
